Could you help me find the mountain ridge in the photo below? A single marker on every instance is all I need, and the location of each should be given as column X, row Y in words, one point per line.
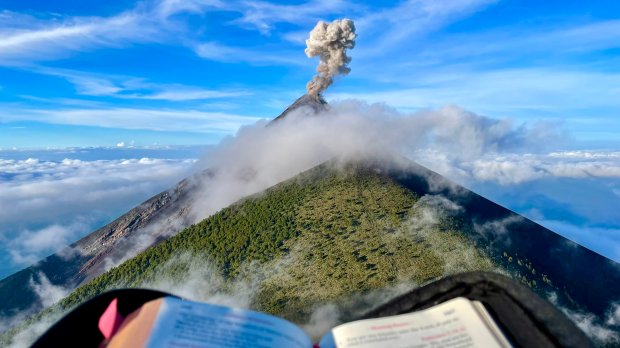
column 507, row 241
column 345, row 244
column 86, row 258
column 308, row 104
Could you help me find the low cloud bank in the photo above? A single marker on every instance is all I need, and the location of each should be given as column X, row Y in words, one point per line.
column 49, row 204
column 516, row 168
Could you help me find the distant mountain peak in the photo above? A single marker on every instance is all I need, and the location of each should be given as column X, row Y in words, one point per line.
column 308, row 104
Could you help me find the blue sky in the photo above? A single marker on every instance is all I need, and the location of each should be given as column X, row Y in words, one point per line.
column 127, row 93
column 95, row 73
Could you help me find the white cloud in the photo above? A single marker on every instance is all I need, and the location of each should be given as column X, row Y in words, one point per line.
column 264, row 15
column 134, row 118
column 590, row 324
column 64, row 198
column 168, row 8
column 350, row 130
column 587, row 155
column 60, row 37
column 296, row 37
column 130, row 87
column 28, row 247
column 528, row 91
column 613, row 315
column 95, row 86
column 507, row 42
column 47, row 293
column 515, row 168
column 390, row 27
column 183, row 93
column 27, row 39
column 498, row 230
column 218, row 52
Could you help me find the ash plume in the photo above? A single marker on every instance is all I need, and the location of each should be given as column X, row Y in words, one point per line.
column 330, row 41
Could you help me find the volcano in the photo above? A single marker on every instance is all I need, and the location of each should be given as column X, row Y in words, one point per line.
column 307, row 105
column 339, row 233
column 160, row 216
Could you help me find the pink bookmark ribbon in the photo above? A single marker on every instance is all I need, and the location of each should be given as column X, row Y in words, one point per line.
column 110, row 320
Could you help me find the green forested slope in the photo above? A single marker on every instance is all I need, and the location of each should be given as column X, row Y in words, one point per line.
column 344, row 232
column 340, row 236
column 324, row 236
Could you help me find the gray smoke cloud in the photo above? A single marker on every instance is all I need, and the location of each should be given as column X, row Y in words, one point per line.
column 330, row 41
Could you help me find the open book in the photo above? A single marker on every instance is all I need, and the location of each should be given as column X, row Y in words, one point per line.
column 174, row 323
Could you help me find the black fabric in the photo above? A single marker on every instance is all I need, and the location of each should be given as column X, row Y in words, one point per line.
column 526, row 319
column 80, row 328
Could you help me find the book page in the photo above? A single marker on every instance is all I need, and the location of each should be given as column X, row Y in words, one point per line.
column 488, row 320
column 191, row 324
column 452, row 324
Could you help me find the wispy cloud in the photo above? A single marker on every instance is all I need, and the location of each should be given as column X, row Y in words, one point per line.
column 264, row 15
column 169, row 8
column 73, row 102
column 297, row 37
column 89, row 85
column 130, row 87
column 27, row 39
column 46, row 39
column 134, row 118
column 519, row 42
column 158, row 22
column 517, row 92
column 591, row 324
column 28, row 247
column 388, row 27
column 222, row 53
column 184, row 93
